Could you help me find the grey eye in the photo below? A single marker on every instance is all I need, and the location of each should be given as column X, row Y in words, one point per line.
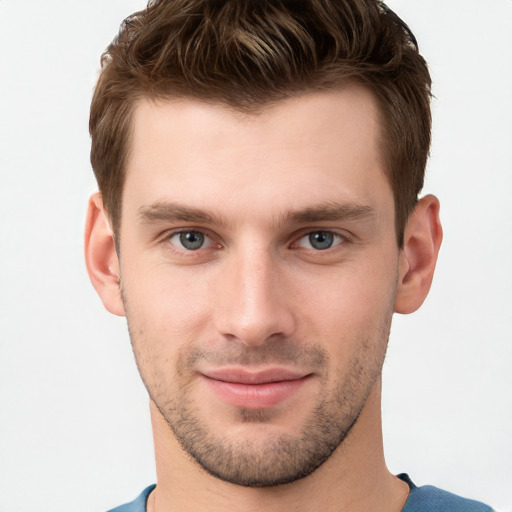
column 190, row 240
column 320, row 240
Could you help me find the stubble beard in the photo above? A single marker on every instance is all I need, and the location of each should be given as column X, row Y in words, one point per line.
column 277, row 459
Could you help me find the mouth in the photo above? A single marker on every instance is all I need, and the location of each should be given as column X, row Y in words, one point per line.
column 260, row 389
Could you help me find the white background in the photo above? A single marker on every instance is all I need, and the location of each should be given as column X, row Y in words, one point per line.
column 74, row 423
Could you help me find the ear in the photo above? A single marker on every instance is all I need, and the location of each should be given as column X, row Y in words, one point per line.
column 422, row 240
column 101, row 257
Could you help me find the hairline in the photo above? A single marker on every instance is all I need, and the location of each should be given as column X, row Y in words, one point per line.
column 255, row 109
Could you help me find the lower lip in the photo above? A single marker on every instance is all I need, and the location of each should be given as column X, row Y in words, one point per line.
column 255, row 396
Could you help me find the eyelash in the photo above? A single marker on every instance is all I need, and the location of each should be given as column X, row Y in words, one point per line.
column 339, row 240
column 183, row 251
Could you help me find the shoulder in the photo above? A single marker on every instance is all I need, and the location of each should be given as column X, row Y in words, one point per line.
column 138, row 505
column 428, row 498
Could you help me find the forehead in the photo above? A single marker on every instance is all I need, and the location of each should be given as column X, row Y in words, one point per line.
column 320, row 146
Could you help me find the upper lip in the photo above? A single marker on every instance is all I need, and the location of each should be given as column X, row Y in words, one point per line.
column 245, row 376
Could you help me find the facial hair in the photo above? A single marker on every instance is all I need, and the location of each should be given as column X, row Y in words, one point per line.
column 278, row 459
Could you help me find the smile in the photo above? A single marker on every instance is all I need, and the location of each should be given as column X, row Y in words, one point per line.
column 255, row 390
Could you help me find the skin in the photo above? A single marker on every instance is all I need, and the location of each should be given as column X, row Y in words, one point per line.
column 258, row 296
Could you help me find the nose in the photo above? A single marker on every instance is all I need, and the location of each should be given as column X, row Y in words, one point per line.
column 253, row 307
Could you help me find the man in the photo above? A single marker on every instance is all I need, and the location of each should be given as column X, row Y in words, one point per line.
column 258, row 223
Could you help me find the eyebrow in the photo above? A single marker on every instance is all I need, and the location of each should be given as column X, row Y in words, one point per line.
column 331, row 211
column 172, row 212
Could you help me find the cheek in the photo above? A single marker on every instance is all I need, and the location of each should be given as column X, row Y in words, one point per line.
column 353, row 306
column 165, row 309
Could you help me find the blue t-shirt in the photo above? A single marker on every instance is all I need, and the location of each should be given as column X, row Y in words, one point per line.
column 138, row 505
column 428, row 498
column 421, row 499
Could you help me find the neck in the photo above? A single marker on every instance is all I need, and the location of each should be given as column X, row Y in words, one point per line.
column 354, row 478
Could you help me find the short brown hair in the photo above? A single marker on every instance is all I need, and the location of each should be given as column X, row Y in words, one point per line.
column 247, row 54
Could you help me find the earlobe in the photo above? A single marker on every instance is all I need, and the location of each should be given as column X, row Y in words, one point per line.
column 422, row 240
column 101, row 257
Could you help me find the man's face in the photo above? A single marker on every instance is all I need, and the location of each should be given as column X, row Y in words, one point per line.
column 259, row 270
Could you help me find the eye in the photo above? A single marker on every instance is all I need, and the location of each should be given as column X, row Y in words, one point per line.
column 191, row 240
column 320, row 240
